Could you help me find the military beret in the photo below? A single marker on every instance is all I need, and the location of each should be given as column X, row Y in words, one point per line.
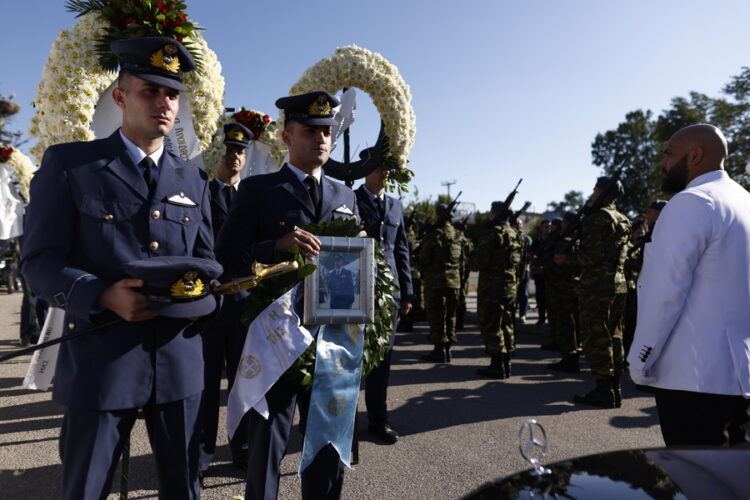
column 657, row 205
column 156, row 59
column 602, row 182
column 237, row 134
column 177, row 287
column 313, row 108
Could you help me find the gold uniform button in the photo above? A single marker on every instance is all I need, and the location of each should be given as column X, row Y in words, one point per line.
column 155, row 214
column 154, row 245
column 71, row 326
column 109, row 217
column 186, row 219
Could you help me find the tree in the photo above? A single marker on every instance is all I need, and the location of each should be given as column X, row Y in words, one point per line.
column 634, row 145
column 572, row 200
column 8, row 108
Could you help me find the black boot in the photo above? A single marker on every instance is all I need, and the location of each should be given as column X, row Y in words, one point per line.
column 616, row 390
column 602, row 395
column 568, row 364
column 496, row 368
column 506, row 364
column 437, row 355
column 447, row 346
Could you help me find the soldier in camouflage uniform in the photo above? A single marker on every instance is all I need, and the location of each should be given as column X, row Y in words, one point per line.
column 600, row 255
column 499, row 260
column 440, row 258
column 562, row 300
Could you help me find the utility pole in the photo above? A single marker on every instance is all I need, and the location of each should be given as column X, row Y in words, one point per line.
column 448, row 185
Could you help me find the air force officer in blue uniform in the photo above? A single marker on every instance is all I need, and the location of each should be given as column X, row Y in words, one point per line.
column 224, row 336
column 266, row 216
column 98, row 205
column 383, row 219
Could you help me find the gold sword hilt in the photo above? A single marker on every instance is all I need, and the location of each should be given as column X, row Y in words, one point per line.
column 260, row 272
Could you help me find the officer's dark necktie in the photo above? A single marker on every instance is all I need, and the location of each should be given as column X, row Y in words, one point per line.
column 228, row 196
column 379, row 206
column 312, row 188
column 148, row 164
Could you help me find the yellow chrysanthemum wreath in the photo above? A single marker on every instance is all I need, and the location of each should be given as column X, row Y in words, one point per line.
column 73, row 81
column 353, row 66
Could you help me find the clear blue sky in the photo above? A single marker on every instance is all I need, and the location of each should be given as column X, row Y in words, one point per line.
column 501, row 89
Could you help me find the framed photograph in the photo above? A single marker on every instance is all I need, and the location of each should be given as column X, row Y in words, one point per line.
column 342, row 288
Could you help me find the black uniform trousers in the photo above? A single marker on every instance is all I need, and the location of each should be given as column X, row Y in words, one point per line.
column 700, row 419
column 323, row 479
column 91, row 442
column 223, row 341
column 376, row 383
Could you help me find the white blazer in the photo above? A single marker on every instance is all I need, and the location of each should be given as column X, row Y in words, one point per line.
column 693, row 329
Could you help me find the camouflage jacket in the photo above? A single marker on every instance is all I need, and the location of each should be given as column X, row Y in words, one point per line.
column 499, row 258
column 441, row 256
column 602, row 250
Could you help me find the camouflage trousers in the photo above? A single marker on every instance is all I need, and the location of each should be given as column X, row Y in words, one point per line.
column 562, row 312
column 601, row 332
column 441, row 307
column 496, row 313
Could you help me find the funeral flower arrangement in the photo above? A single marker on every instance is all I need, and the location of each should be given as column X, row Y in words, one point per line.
column 376, row 335
column 264, row 130
column 21, row 165
column 353, row 66
column 78, row 70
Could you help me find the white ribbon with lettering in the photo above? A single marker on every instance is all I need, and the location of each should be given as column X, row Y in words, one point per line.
column 11, row 206
column 274, row 341
column 42, row 366
column 181, row 141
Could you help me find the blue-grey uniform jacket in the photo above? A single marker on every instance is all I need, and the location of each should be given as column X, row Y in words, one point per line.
column 391, row 233
column 90, row 214
column 269, row 206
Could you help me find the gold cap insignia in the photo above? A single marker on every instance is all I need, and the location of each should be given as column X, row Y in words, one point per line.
column 188, row 286
column 166, row 59
column 321, row 107
column 236, row 134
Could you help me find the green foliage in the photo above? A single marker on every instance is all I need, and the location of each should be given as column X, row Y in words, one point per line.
column 633, row 143
column 572, row 201
column 377, row 335
column 639, row 140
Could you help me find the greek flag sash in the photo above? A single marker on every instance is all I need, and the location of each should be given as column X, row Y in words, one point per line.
column 274, row 341
column 335, row 390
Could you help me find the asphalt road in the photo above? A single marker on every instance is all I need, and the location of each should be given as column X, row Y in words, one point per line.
column 458, row 430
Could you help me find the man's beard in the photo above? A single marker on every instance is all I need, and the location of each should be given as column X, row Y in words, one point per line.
column 676, row 179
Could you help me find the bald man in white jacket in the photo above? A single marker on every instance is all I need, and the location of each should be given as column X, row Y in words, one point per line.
column 692, row 339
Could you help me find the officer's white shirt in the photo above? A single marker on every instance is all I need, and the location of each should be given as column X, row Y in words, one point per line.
column 693, row 328
column 301, row 174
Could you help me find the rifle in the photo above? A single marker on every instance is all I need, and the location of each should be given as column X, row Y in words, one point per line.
column 452, row 204
column 523, row 210
column 574, row 229
column 505, row 212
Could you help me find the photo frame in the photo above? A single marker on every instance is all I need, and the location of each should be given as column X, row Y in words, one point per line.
column 342, row 288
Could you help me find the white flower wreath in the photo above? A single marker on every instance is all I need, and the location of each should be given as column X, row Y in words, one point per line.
column 353, row 66
column 23, row 169
column 73, row 81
